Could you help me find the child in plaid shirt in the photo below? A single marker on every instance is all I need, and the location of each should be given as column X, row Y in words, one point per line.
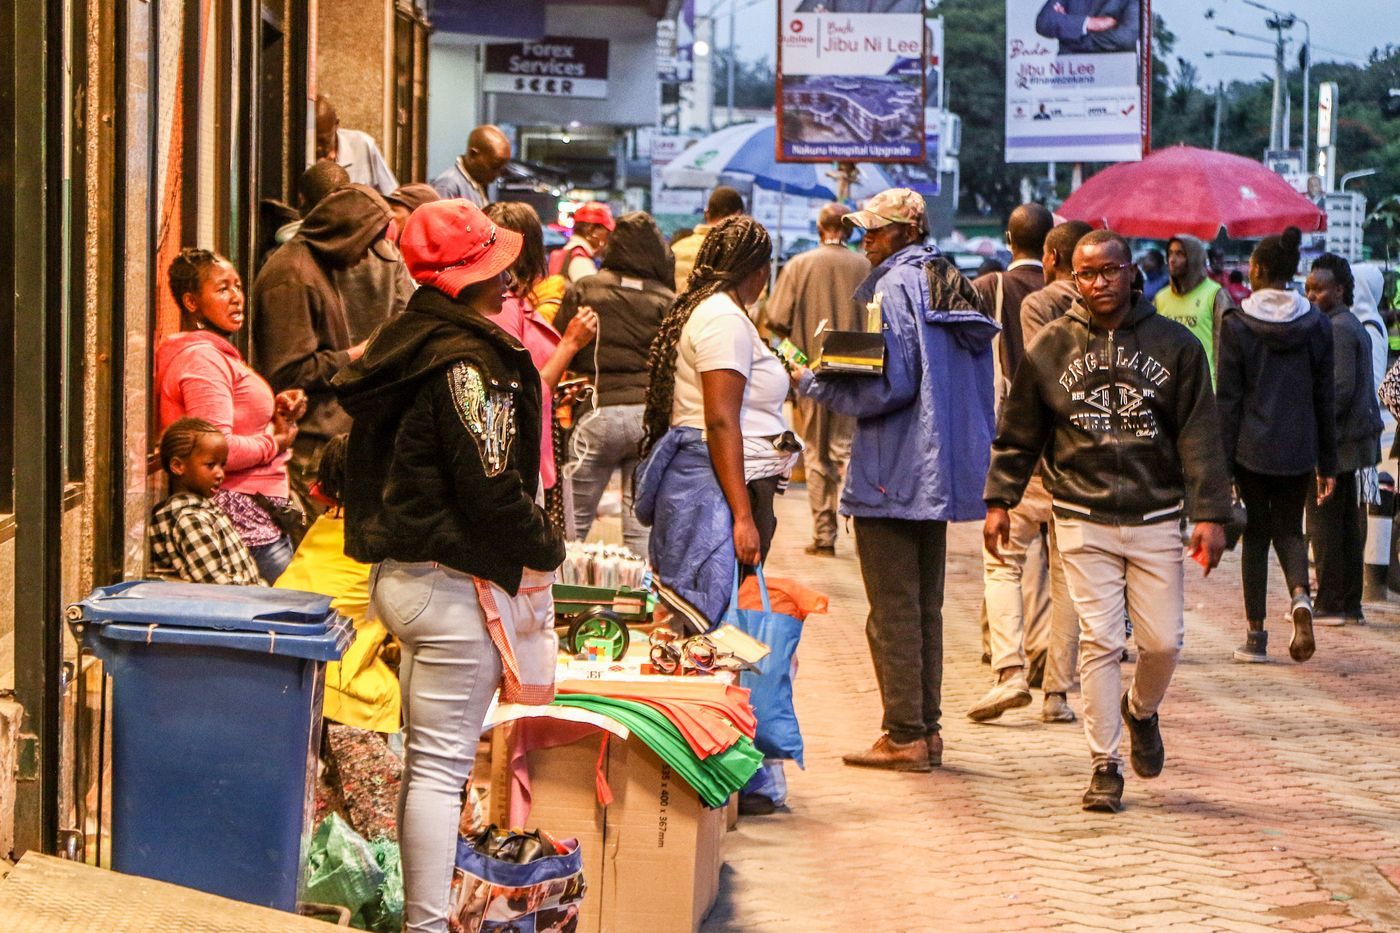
column 190, row 535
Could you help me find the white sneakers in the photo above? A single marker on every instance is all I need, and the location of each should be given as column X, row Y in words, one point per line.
column 1012, row 693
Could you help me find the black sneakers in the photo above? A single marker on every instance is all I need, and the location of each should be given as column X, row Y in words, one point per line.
column 1148, row 754
column 1105, row 793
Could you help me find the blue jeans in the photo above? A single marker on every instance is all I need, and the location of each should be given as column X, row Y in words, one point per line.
column 272, row 558
column 448, row 673
column 604, row 440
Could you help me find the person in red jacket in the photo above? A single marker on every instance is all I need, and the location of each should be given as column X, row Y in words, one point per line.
column 200, row 374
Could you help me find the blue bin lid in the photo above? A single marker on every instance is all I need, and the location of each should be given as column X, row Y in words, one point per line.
column 244, row 618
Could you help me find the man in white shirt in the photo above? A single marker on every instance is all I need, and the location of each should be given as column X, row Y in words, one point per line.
column 474, row 171
column 353, row 150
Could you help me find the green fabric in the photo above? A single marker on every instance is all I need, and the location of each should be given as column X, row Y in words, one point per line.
column 714, row 779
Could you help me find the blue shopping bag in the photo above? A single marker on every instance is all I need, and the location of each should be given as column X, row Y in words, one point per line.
column 770, row 690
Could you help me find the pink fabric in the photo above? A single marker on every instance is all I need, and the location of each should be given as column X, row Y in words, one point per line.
column 201, row 375
column 522, row 322
column 535, row 733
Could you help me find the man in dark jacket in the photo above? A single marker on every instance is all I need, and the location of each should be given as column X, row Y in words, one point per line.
column 1089, row 26
column 813, row 291
column 1337, row 526
column 630, row 295
column 300, row 335
column 1003, row 292
column 1117, row 399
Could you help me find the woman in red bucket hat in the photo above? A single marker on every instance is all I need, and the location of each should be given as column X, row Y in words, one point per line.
column 440, row 495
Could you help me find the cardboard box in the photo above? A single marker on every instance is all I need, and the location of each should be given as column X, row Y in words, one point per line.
column 652, row 858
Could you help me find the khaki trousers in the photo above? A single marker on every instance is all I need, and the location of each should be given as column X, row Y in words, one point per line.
column 826, row 442
column 1110, row 568
column 1021, row 614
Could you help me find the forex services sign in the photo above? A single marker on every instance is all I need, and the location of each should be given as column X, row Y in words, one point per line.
column 551, row 67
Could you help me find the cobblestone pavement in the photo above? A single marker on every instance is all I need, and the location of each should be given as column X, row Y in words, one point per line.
column 1278, row 808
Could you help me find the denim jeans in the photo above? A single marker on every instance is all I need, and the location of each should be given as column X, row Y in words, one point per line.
column 449, row 671
column 272, row 558
column 604, row 440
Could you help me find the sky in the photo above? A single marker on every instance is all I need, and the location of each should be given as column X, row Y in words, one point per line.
column 1342, row 30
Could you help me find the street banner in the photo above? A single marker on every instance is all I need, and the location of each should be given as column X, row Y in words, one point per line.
column 553, row 66
column 1078, row 80
column 851, row 80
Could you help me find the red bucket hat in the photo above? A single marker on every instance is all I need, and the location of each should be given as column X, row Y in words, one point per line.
column 452, row 244
column 595, row 212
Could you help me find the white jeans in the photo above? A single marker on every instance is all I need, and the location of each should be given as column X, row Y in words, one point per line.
column 448, row 673
column 1110, row 568
column 1009, row 602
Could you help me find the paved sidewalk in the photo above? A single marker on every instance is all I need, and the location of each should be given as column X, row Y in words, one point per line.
column 1278, row 808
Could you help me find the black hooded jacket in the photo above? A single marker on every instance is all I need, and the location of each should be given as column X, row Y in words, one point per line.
column 1125, row 418
column 300, row 332
column 630, row 295
column 444, row 457
column 1275, row 384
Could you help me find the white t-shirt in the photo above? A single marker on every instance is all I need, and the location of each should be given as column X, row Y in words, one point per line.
column 719, row 335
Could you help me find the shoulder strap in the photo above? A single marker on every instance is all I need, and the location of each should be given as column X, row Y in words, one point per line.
column 1000, row 298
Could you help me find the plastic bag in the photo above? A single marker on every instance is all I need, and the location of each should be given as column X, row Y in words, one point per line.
column 341, row 867
column 384, row 914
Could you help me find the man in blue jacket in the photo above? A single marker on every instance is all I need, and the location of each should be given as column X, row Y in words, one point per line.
column 918, row 461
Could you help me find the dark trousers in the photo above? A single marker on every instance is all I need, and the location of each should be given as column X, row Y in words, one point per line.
column 1337, row 529
column 1274, row 513
column 902, row 564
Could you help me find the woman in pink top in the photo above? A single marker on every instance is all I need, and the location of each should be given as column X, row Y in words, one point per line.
column 200, row 374
column 550, row 352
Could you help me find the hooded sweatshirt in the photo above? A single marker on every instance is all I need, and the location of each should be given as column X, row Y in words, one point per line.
column 201, row 375
column 300, row 333
column 1196, row 300
column 1370, row 283
column 443, row 464
column 630, row 295
column 1125, row 419
column 1275, row 387
column 1358, row 413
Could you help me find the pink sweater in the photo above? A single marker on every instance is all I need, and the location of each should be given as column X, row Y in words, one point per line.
column 523, row 323
column 202, row 375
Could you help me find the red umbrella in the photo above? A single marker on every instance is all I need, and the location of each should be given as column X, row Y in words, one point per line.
column 1182, row 189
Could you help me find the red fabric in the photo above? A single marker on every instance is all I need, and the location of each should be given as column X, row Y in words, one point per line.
column 519, row 320
column 1182, row 189
column 788, row 597
column 201, row 375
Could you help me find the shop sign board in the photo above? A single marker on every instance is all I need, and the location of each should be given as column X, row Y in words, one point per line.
column 1078, row 80
column 851, row 85
column 554, row 66
column 1346, row 220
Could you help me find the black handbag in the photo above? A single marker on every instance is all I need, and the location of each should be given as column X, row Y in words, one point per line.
column 1234, row 526
column 288, row 518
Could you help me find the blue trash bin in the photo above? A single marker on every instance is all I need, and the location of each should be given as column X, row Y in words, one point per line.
column 216, row 729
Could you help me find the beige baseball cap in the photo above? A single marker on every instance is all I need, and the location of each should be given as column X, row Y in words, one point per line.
column 891, row 206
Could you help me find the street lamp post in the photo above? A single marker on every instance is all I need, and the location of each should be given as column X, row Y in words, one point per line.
column 1279, row 22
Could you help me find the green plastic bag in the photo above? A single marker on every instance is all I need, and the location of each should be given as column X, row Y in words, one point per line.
column 384, row 913
column 341, row 867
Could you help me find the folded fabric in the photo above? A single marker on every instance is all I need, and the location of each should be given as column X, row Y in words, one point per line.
column 714, row 778
column 786, row 596
column 725, row 699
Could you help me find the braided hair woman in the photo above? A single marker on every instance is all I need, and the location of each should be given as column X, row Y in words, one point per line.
column 717, row 447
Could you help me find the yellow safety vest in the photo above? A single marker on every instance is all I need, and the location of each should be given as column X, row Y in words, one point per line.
column 1195, row 310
